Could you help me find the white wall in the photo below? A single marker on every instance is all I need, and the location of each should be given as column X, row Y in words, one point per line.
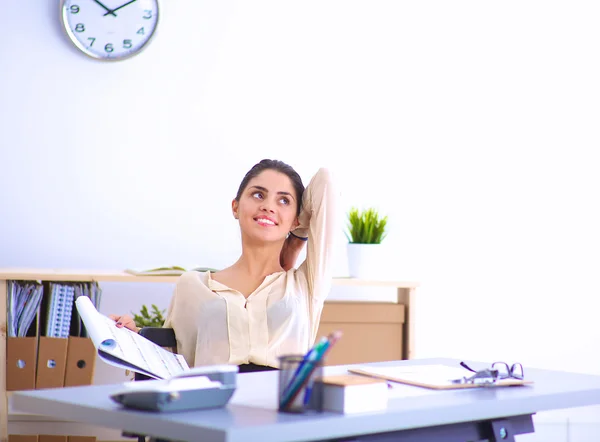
column 472, row 124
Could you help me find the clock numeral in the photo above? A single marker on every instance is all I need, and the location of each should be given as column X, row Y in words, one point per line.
column 79, row 27
column 127, row 44
column 109, row 47
column 74, row 9
column 140, row 31
column 93, row 40
column 148, row 15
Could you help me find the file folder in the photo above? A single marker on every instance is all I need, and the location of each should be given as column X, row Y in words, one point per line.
column 59, row 310
column 24, row 299
column 81, row 361
column 51, row 364
column 21, row 354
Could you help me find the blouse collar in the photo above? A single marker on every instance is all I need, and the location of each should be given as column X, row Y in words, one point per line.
column 217, row 286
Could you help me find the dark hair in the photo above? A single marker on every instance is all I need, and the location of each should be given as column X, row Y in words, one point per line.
column 280, row 167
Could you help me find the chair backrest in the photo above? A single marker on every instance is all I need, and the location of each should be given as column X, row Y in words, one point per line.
column 164, row 337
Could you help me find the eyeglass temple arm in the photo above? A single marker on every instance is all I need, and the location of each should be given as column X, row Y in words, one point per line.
column 462, row 364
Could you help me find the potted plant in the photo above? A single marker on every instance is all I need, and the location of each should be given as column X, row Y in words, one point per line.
column 146, row 318
column 366, row 231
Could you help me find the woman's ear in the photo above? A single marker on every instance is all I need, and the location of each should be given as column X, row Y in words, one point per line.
column 234, row 208
column 296, row 223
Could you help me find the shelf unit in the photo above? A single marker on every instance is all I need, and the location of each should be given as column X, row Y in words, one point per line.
column 405, row 297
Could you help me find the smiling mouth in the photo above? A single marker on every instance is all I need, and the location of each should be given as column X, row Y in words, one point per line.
column 265, row 222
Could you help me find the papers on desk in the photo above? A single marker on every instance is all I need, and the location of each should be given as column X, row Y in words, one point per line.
column 176, row 384
column 126, row 349
column 353, row 394
column 434, row 376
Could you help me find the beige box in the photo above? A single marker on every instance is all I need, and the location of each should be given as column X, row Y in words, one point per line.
column 371, row 332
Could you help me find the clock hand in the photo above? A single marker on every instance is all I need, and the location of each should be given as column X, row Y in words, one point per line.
column 107, row 9
column 122, row 6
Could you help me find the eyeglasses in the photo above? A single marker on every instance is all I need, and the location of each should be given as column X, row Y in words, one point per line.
column 500, row 370
column 514, row 371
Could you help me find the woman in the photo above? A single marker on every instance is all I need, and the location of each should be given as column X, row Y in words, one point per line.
column 261, row 307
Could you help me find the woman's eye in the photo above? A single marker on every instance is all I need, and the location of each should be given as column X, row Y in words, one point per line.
column 285, row 200
column 257, row 195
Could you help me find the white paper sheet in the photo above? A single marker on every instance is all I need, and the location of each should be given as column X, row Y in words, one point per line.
column 124, row 348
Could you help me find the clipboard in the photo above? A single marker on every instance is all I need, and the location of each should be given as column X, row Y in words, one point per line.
column 432, row 376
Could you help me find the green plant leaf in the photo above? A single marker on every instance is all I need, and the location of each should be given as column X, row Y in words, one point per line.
column 366, row 226
column 146, row 318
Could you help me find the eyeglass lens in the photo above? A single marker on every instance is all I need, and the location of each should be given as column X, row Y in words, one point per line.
column 504, row 371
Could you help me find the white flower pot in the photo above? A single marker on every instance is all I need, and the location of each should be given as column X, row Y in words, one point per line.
column 364, row 260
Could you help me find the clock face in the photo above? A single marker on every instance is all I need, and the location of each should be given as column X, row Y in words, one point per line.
column 110, row 29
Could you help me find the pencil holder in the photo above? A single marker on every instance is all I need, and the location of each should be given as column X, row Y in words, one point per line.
column 298, row 391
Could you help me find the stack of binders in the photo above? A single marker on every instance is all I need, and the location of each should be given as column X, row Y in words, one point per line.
column 48, row 345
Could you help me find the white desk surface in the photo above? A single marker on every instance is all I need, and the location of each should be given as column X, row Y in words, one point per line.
column 251, row 413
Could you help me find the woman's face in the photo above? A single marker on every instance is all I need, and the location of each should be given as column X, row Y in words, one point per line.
column 267, row 208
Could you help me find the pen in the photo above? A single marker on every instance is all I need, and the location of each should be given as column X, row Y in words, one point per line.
column 330, row 341
column 320, row 348
column 307, row 370
column 309, row 357
column 312, row 354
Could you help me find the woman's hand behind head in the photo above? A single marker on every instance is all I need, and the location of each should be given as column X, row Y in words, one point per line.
column 124, row 321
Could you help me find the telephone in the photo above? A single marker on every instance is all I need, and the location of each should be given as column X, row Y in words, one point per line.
column 199, row 388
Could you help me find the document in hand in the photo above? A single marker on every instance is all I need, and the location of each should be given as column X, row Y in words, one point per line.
column 435, row 376
column 126, row 349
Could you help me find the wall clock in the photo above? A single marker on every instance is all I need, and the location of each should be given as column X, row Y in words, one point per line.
column 110, row 29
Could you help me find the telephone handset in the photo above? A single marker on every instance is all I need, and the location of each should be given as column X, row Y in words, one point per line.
column 209, row 386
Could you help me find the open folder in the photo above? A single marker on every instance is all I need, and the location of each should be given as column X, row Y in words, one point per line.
column 124, row 348
column 434, row 376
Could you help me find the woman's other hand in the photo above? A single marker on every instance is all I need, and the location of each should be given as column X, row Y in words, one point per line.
column 124, row 321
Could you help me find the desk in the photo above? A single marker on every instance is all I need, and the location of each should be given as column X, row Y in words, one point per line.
column 413, row 414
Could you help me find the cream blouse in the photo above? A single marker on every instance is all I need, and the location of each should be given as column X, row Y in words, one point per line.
column 215, row 324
